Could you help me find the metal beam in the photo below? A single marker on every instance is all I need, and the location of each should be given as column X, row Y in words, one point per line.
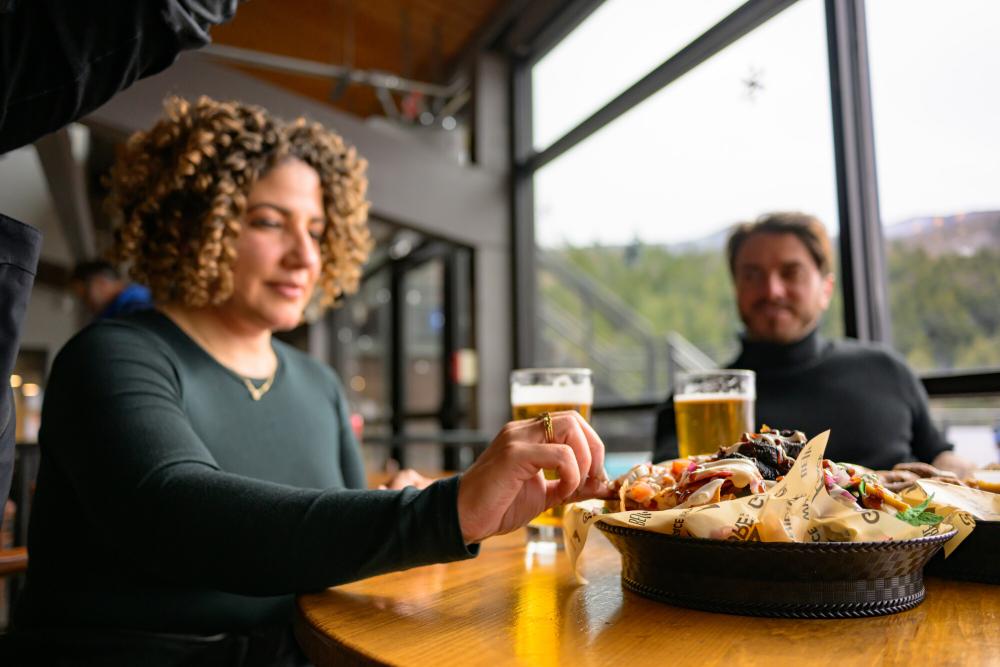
column 542, row 24
column 397, row 360
column 538, row 32
column 67, row 187
column 486, row 36
column 962, row 384
column 289, row 65
column 743, row 20
column 862, row 259
column 490, row 114
column 523, row 259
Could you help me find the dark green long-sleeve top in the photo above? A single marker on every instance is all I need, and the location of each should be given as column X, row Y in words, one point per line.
column 169, row 500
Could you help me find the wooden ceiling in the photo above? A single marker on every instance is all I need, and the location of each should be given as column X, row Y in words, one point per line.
column 415, row 39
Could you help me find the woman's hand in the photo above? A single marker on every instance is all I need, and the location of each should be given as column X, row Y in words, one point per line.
column 404, row 478
column 505, row 487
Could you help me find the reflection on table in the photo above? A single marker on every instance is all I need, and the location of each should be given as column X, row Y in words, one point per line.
column 512, row 606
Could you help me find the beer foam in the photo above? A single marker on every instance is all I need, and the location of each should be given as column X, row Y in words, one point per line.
column 701, row 398
column 575, row 394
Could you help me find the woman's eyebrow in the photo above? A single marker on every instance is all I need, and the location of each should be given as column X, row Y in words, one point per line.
column 263, row 204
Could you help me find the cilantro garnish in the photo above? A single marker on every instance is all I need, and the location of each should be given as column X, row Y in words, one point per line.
column 919, row 516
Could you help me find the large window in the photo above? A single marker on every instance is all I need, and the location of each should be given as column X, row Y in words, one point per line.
column 631, row 223
column 631, row 171
column 936, row 106
column 612, row 49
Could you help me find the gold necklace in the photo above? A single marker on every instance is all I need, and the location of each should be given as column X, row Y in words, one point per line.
column 256, row 393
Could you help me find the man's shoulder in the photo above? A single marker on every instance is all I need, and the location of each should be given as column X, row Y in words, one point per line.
column 876, row 355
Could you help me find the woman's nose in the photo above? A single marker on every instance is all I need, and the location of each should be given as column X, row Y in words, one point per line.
column 304, row 251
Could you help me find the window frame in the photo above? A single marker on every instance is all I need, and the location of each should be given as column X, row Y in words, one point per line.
column 863, row 273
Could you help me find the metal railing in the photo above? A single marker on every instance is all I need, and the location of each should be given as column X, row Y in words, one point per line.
column 630, row 358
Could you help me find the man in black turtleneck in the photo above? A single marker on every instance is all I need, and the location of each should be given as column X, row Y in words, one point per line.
column 873, row 404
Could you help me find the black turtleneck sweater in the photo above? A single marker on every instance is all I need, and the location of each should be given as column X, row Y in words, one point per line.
column 873, row 404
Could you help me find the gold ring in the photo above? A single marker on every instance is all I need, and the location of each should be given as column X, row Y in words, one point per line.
column 550, row 434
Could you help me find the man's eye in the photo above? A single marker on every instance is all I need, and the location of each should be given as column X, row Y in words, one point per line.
column 792, row 273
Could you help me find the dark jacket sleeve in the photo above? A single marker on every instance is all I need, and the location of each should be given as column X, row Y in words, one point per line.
column 140, row 474
column 927, row 441
column 19, row 248
column 60, row 60
column 665, row 440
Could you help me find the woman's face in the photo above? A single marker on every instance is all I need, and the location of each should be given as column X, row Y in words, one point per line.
column 278, row 256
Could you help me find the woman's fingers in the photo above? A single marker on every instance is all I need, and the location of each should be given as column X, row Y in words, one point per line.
column 556, row 456
column 505, row 487
column 572, row 430
column 593, row 488
column 596, row 446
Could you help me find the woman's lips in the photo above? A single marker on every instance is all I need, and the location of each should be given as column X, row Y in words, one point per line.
column 288, row 290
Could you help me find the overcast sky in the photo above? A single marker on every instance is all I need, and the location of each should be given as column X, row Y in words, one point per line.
column 749, row 130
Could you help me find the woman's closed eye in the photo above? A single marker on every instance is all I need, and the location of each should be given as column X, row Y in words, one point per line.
column 267, row 223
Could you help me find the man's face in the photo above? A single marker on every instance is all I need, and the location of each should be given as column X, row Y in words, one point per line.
column 780, row 291
column 97, row 292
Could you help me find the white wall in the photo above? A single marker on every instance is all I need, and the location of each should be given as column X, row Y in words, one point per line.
column 24, row 195
column 53, row 317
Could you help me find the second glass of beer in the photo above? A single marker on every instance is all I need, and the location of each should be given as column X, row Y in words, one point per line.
column 537, row 390
column 713, row 409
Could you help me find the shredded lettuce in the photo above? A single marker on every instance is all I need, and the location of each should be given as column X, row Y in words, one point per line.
column 919, row 516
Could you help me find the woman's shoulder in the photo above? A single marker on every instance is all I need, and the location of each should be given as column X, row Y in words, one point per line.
column 105, row 341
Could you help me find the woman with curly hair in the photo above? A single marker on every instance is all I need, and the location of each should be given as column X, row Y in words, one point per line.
column 197, row 473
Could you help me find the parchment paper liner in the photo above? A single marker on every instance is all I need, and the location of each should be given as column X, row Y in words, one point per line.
column 796, row 509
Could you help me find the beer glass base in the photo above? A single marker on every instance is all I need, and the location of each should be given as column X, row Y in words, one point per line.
column 545, row 535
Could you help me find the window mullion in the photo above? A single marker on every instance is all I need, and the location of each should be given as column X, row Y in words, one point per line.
column 862, row 257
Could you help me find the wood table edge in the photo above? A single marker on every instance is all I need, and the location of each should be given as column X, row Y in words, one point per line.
column 315, row 643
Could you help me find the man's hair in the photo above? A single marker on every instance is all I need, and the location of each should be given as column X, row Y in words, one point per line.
column 86, row 271
column 806, row 228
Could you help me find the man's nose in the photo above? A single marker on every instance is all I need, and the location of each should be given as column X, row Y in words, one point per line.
column 774, row 285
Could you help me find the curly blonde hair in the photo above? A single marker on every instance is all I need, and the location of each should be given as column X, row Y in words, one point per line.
column 179, row 193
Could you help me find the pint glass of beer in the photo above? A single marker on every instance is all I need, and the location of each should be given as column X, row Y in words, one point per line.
column 537, row 390
column 713, row 409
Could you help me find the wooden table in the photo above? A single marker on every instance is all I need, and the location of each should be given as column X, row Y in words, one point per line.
column 509, row 606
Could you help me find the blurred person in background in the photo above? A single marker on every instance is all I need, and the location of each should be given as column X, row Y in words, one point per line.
column 201, row 472
column 874, row 405
column 104, row 294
